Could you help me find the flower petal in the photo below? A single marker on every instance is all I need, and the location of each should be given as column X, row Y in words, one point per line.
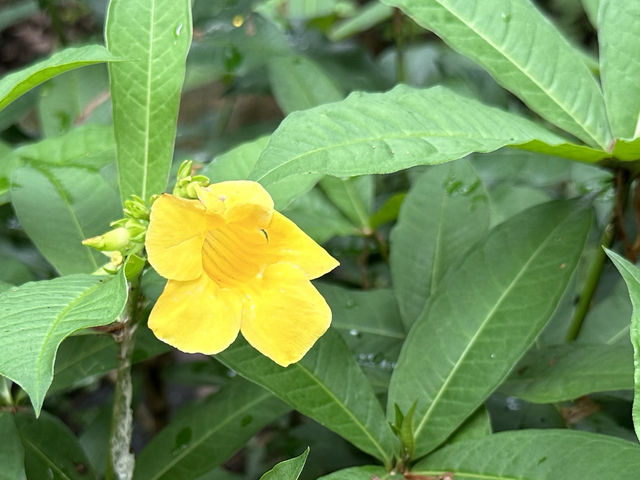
column 196, row 316
column 239, row 201
column 284, row 314
column 175, row 236
column 287, row 243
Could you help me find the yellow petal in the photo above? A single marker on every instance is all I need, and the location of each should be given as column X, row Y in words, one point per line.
column 196, row 316
column 238, row 201
column 284, row 314
column 175, row 236
column 287, row 243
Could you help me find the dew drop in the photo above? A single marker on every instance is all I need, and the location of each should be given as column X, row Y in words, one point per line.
column 178, row 30
column 493, row 355
column 505, row 17
column 354, row 333
column 350, row 303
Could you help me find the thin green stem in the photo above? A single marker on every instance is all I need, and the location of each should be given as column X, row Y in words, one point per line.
column 120, row 461
column 593, row 278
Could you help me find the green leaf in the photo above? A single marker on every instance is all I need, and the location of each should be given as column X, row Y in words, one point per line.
column 444, row 214
column 536, row 455
column 368, row 472
column 79, row 204
column 566, row 372
column 631, row 275
column 37, row 316
column 299, row 83
column 485, row 315
column 628, row 150
column 287, row 470
column 387, row 132
column 51, row 450
column 591, row 8
column 11, row 452
column 17, row 83
column 353, row 196
column 154, row 36
column 321, row 386
column 477, row 425
column 237, row 163
column 545, row 71
column 77, row 97
column 318, row 217
column 609, row 320
column 206, row 434
column 88, row 146
column 389, row 210
column 619, row 39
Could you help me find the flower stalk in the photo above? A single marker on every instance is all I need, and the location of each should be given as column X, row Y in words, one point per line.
column 121, row 461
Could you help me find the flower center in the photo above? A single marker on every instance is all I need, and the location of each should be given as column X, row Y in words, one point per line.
column 233, row 255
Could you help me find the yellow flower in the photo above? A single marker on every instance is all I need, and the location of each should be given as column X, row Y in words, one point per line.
column 235, row 264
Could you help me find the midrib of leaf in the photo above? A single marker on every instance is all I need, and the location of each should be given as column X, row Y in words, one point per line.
column 148, row 102
column 64, row 195
column 618, row 335
column 384, row 138
column 218, row 426
column 53, row 327
column 45, row 457
column 385, row 458
column 546, row 91
column 484, row 323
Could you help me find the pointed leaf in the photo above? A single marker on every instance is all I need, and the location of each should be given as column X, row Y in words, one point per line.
column 206, row 434
column 444, row 214
column 287, row 470
column 17, row 83
column 485, row 316
column 619, row 38
column 536, row 455
column 387, row 132
column 631, row 275
column 566, row 372
column 154, row 36
column 79, row 204
column 322, row 386
column 37, row 316
column 526, row 54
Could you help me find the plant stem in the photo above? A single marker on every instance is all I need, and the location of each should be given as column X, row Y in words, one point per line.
column 592, row 282
column 120, row 461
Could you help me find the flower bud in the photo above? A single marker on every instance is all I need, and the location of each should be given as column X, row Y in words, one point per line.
column 184, row 170
column 116, row 239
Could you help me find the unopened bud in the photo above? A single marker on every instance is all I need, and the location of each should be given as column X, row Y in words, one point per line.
column 134, row 207
column 184, row 170
column 116, row 239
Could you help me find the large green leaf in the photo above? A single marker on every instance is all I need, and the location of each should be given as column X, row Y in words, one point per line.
column 445, row 213
column 37, row 316
column 154, row 36
column 323, row 386
column 484, row 316
column 51, row 450
column 619, row 38
column 526, row 54
column 287, row 470
column 386, row 132
column 353, row 196
column 206, row 434
column 536, row 455
column 627, row 149
column 59, row 207
column 11, row 451
column 631, row 275
column 298, row 83
column 17, row 83
column 566, row 372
